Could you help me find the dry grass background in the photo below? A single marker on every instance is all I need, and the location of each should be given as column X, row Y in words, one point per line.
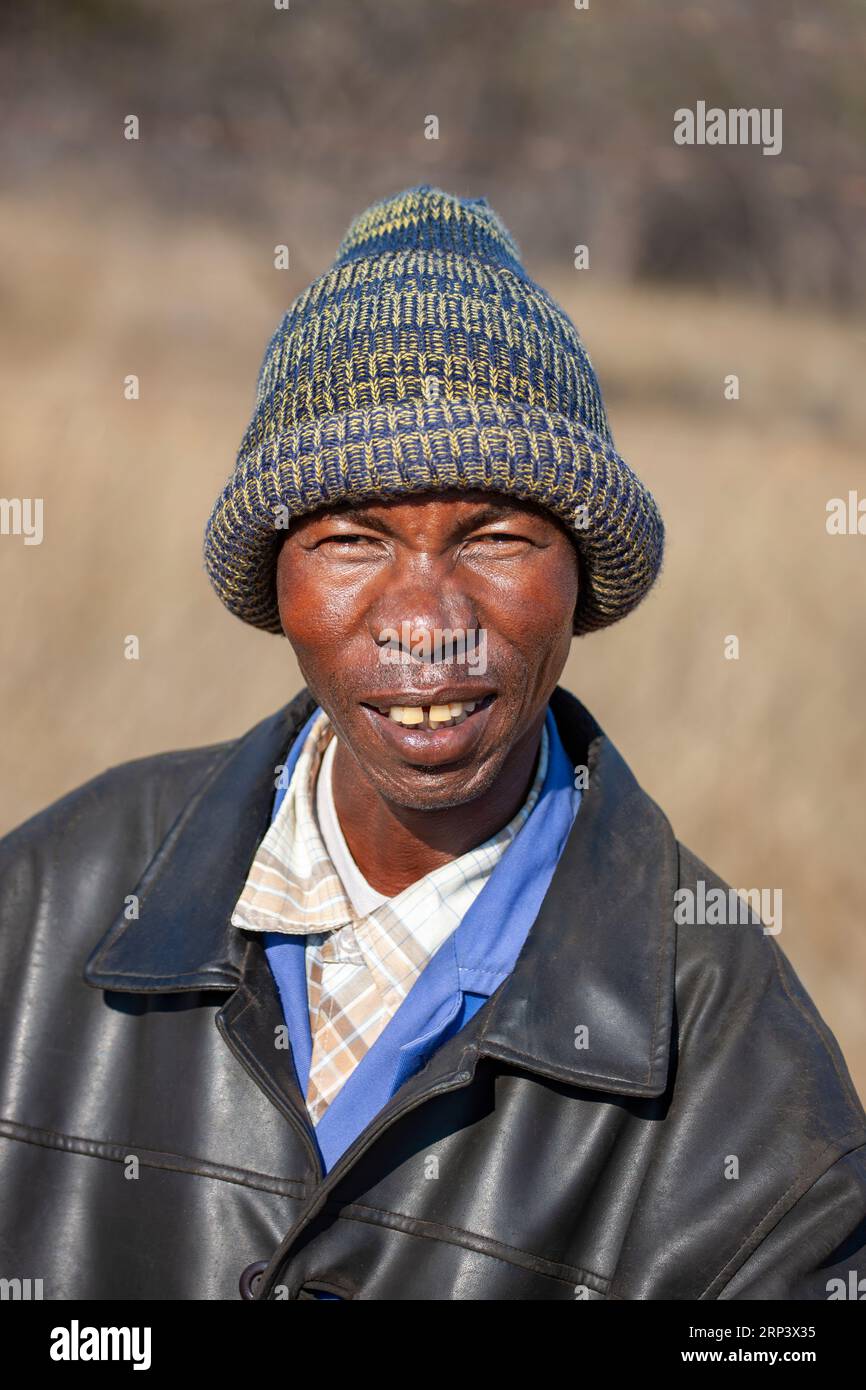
column 758, row 762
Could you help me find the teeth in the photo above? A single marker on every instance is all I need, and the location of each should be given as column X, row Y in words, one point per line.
column 406, row 714
column 430, row 716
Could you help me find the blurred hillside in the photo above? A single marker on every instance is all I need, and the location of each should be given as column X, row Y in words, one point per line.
column 261, row 127
column 293, row 118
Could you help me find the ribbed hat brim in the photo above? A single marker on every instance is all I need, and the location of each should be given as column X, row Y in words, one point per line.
column 412, row 446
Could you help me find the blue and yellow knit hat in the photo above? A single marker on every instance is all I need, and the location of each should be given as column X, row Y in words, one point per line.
column 426, row 358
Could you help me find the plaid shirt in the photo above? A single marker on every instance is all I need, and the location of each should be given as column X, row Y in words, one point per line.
column 359, row 968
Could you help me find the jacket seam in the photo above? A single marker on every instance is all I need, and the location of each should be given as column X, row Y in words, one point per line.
column 844, row 1080
column 781, row 1207
column 205, row 751
column 113, row 1152
column 483, row 1245
column 588, row 1079
column 661, row 960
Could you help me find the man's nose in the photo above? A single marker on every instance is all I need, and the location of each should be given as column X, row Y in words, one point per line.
column 414, row 606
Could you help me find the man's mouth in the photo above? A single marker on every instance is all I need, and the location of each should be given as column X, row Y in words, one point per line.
column 434, row 717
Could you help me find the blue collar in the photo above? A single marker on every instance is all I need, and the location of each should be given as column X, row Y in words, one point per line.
column 459, row 978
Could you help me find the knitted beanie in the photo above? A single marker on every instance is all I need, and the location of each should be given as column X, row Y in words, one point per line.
column 425, row 358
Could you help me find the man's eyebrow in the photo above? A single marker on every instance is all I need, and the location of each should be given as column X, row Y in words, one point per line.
column 494, row 511
column 359, row 517
column 489, row 512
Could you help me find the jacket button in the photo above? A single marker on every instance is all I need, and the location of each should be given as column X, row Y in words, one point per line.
column 251, row 1278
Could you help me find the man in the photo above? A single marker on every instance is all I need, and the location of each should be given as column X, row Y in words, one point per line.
column 393, row 997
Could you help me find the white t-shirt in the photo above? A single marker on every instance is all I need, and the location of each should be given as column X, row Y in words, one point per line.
column 360, row 893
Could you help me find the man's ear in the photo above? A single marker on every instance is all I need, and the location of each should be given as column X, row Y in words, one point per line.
column 581, row 579
column 279, row 544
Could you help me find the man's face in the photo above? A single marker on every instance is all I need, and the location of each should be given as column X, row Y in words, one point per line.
column 361, row 586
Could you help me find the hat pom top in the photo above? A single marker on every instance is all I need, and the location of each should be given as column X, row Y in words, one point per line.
column 426, row 218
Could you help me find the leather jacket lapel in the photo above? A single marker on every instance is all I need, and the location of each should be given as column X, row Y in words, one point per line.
column 183, row 938
column 601, row 955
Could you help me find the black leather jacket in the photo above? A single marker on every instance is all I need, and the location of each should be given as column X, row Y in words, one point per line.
column 154, row 1143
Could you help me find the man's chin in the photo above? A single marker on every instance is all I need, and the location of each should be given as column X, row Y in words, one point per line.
column 430, row 787
column 430, row 798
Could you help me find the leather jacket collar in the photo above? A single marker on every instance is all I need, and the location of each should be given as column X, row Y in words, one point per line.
column 600, row 955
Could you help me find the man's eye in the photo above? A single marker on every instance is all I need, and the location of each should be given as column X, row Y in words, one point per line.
column 508, row 537
column 345, row 540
